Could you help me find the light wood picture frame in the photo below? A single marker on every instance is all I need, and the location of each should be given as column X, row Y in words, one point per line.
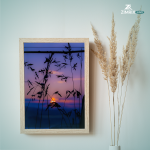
column 54, row 85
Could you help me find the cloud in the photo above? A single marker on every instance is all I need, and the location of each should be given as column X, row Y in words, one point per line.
column 56, row 72
column 61, row 81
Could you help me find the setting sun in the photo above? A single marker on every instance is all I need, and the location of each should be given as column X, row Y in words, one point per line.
column 53, row 100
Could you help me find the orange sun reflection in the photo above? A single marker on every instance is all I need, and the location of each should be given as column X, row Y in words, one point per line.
column 52, row 100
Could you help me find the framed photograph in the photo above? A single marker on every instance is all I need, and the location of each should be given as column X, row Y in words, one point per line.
column 54, row 85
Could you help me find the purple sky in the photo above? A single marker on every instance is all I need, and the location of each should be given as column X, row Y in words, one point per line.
column 56, row 84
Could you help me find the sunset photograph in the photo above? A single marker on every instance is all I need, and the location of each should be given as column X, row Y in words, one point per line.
column 54, row 85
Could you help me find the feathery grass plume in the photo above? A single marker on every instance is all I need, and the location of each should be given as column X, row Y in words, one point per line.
column 129, row 52
column 124, row 61
column 100, row 54
column 113, row 66
column 133, row 43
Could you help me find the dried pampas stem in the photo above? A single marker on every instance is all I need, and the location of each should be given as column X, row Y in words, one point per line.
column 114, row 117
column 119, row 125
column 101, row 55
column 110, row 112
column 127, row 61
column 111, row 69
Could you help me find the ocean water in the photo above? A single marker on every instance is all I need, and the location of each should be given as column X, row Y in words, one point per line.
column 41, row 117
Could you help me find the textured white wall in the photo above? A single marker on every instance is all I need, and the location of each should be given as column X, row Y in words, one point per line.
column 71, row 19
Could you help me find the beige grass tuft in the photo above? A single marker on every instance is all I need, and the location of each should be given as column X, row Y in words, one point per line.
column 133, row 43
column 100, row 54
column 129, row 53
column 113, row 66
